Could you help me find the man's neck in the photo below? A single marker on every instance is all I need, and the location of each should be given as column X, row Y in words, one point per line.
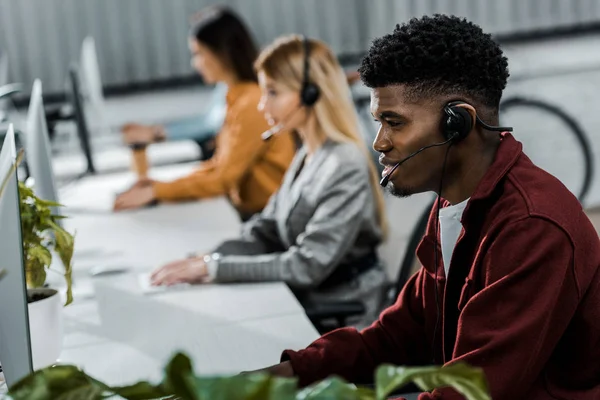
column 466, row 177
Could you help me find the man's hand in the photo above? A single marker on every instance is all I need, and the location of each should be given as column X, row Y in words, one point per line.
column 140, row 195
column 141, row 134
column 190, row 270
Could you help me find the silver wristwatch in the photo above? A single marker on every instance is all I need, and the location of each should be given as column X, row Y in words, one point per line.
column 212, row 264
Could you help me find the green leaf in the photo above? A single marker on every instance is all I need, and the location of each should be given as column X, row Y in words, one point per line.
column 69, row 382
column 179, row 377
column 41, row 254
column 65, row 244
column 181, row 381
column 25, row 192
column 35, row 272
column 140, row 391
column 48, row 203
column 37, row 221
column 255, row 386
column 468, row 381
column 63, row 382
column 335, row 388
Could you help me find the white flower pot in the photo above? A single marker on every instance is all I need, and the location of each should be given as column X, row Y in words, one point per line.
column 45, row 327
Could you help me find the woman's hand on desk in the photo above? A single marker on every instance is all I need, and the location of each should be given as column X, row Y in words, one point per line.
column 140, row 195
column 142, row 134
column 190, row 270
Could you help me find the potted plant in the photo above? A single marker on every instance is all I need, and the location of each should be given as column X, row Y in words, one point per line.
column 179, row 382
column 43, row 235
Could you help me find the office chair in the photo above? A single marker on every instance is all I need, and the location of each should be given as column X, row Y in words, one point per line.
column 326, row 316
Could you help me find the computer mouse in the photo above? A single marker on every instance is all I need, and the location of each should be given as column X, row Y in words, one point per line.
column 107, row 271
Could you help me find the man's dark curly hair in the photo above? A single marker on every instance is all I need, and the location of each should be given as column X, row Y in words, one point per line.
column 439, row 55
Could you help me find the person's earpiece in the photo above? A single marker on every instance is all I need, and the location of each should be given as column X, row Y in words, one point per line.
column 456, row 122
column 309, row 93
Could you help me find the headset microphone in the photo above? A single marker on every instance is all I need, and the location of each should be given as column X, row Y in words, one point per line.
column 386, row 178
column 268, row 134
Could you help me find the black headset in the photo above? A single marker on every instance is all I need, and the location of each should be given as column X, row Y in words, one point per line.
column 309, row 93
column 457, row 122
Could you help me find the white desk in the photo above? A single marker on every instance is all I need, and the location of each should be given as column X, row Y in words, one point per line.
column 143, row 239
column 123, row 335
column 112, row 362
column 225, row 328
column 112, row 155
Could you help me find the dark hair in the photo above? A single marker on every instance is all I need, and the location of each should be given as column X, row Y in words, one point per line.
column 222, row 31
column 439, row 55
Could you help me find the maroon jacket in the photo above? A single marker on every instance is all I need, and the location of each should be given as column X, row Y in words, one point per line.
column 522, row 298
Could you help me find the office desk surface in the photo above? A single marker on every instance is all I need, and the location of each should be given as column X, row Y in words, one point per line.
column 116, row 356
column 96, row 193
column 141, row 239
column 120, row 335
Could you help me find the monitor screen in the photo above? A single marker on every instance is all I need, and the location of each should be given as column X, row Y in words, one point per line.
column 15, row 345
column 37, row 146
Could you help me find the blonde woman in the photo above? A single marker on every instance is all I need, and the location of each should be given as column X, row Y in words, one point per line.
column 320, row 231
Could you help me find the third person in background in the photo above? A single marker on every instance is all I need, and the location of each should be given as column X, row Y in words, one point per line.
column 245, row 168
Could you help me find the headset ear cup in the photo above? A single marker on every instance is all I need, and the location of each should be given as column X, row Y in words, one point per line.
column 457, row 123
column 310, row 94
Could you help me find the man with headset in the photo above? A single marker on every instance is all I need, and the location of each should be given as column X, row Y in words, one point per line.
column 512, row 285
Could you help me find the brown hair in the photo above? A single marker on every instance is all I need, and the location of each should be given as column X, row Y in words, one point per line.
column 224, row 33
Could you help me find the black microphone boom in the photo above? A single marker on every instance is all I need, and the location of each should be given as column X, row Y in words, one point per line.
column 386, row 179
column 268, row 134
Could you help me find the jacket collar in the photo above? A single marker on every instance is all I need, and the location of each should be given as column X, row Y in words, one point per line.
column 294, row 186
column 507, row 155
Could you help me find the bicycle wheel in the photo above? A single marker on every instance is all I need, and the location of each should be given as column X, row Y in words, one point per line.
column 553, row 140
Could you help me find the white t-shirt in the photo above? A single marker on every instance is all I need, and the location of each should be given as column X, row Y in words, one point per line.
column 450, row 228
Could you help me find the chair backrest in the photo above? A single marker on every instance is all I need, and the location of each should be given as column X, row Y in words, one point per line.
column 410, row 263
column 408, row 221
column 403, row 215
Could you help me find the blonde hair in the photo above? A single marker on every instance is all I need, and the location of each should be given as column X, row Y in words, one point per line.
column 335, row 115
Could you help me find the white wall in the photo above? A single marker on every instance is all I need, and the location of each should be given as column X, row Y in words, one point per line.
column 145, row 40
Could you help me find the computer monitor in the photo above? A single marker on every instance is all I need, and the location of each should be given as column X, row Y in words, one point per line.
column 15, row 345
column 91, row 82
column 37, row 147
column 75, row 97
